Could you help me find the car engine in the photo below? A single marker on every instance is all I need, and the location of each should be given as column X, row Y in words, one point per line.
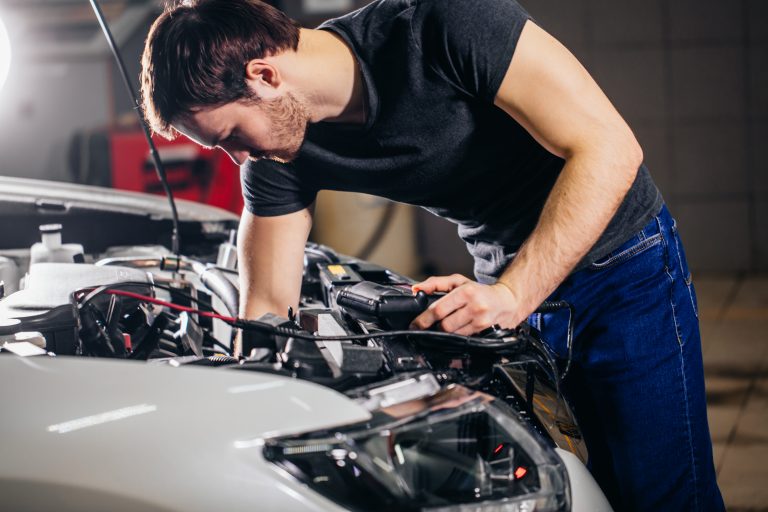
column 94, row 298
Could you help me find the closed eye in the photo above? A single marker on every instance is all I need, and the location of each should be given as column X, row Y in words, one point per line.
column 233, row 136
column 223, row 140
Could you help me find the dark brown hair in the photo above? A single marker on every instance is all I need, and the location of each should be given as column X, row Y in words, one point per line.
column 196, row 52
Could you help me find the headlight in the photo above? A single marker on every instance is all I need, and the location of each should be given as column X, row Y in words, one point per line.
column 458, row 450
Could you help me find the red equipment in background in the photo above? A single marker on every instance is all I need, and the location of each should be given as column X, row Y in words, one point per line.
column 194, row 173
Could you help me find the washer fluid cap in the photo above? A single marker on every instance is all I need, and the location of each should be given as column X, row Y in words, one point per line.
column 50, row 228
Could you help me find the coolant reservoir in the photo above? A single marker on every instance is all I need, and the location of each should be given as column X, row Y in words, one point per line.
column 51, row 250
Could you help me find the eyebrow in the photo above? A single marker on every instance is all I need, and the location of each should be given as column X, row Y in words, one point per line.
column 211, row 144
column 219, row 137
column 195, row 137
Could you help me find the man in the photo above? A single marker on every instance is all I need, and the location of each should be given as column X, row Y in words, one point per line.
column 471, row 110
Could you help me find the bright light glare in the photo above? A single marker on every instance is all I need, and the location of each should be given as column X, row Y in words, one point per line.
column 101, row 418
column 5, row 54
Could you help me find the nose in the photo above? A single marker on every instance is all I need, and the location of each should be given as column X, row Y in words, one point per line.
column 239, row 156
column 236, row 150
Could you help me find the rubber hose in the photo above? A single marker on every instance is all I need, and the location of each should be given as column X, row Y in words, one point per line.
column 215, row 280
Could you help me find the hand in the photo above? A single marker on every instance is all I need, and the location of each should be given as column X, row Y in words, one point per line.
column 469, row 307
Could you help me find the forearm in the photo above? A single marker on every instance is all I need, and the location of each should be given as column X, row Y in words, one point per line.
column 577, row 211
column 271, row 262
column 267, row 287
column 552, row 96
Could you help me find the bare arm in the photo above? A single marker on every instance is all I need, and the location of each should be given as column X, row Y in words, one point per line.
column 549, row 93
column 271, row 260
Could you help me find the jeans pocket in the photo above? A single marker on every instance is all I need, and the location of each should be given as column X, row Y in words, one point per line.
column 636, row 245
column 685, row 271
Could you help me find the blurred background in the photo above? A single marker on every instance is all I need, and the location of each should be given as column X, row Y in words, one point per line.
column 690, row 77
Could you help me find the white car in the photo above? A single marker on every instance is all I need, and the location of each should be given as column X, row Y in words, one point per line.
column 119, row 391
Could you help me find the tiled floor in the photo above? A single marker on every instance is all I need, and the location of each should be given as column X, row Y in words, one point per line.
column 734, row 325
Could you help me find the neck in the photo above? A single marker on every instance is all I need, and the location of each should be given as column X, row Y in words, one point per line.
column 326, row 74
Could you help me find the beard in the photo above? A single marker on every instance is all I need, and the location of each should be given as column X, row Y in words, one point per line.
column 288, row 117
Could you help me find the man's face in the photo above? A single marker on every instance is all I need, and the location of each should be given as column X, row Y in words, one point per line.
column 271, row 129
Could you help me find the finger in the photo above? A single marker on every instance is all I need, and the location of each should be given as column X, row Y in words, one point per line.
column 435, row 312
column 440, row 283
column 467, row 330
column 473, row 321
column 478, row 323
column 440, row 309
column 456, row 321
column 423, row 321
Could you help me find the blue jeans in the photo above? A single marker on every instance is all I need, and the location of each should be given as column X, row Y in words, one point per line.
column 637, row 381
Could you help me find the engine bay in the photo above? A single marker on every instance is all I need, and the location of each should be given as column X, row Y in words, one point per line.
column 95, row 298
column 350, row 331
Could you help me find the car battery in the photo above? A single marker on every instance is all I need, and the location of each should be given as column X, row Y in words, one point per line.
column 335, row 277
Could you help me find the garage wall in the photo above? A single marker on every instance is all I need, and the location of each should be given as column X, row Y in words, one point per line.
column 63, row 80
column 43, row 104
column 691, row 78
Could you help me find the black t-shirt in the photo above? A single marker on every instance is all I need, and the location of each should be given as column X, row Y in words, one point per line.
column 433, row 137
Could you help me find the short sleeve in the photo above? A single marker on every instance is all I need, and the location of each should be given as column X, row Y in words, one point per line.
column 271, row 188
column 470, row 43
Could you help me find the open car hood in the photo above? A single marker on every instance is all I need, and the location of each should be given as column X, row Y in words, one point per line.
column 99, row 218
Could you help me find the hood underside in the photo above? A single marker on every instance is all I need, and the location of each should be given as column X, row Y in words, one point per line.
column 99, row 218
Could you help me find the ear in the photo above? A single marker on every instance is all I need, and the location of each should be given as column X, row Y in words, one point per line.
column 263, row 78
